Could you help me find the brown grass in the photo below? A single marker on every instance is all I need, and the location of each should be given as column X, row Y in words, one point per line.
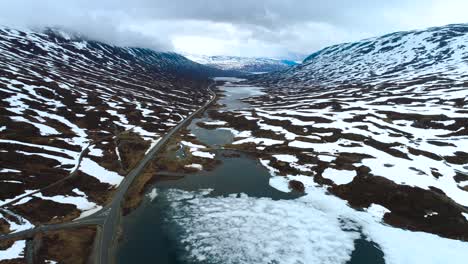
column 71, row 246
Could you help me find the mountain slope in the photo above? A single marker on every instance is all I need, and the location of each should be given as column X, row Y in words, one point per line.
column 82, row 111
column 381, row 123
column 438, row 51
column 242, row 64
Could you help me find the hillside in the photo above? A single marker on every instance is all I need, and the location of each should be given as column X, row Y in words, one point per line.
column 439, row 52
column 380, row 123
column 76, row 115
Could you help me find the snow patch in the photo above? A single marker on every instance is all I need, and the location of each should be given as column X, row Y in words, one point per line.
column 15, row 251
column 339, row 176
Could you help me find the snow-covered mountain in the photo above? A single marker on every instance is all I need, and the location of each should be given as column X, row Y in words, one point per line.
column 382, row 123
column 83, row 111
column 439, row 51
column 242, row 64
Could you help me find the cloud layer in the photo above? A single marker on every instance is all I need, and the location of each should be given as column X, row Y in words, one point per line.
column 242, row 27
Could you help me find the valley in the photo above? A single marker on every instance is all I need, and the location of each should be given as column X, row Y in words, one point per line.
column 125, row 155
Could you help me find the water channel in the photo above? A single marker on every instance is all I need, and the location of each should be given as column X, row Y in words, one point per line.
column 149, row 234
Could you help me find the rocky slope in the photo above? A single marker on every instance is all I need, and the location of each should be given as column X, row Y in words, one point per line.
column 242, row 64
column 439, row 52
column 76, row 115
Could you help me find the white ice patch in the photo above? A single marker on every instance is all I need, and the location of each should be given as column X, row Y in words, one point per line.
column 153, row 194
column 258, row 230
column 339, row 176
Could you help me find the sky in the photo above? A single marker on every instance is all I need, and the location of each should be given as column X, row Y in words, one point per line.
column 252, row 28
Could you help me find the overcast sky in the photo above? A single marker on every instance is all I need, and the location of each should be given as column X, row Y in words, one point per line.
column 272, row 28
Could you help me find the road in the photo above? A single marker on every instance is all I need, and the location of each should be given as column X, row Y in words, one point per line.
column 108, row 218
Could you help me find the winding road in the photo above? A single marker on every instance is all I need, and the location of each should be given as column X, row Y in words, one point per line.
column 108, row 218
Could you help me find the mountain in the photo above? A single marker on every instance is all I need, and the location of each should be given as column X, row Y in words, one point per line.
column 440, row 52
column 76, row 115
column 243, row 64
column 381, row 123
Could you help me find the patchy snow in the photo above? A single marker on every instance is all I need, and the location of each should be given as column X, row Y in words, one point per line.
column 15, row 251
column 89, row 212
column 398, row 245
column 192, row 146
column 202, row 154
column 266, row 164
column 378, row 211
column 258, row 141
column 15, row 226
column 215, row 123
column 91, row 168
column 9, row 171
column 326, row 158
column 23, row 200
column 286, row 158
column 465, row 215
column 339, row 176
column 94, row 151
column 301, row 144
column 58, row 100
column 430, row 214
column 45, row 130
column 81, row 202
column 80, row 45
column 25, row 193
column 194, row 166
column 154, row 142
column 195, row 150
column 446, row 123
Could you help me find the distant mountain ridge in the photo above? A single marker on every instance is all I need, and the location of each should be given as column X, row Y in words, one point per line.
column 397, row 56
column 243, row 64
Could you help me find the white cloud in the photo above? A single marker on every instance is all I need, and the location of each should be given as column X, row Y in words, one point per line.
column 242, row 27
